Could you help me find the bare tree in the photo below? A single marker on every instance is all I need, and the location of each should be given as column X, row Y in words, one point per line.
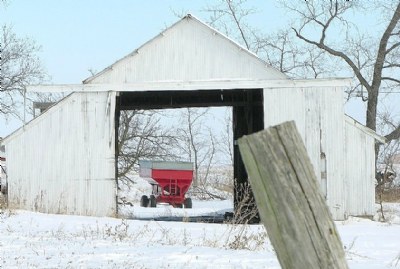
column 141, row 136
column 228, row 13
column 279, row 49
column 373, row 63
column 197, row 144
column 226, row 137
column 324, row 41
column 387, row 189
column 19, row 66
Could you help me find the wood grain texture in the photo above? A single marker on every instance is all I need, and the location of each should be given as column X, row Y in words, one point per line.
column 289, row 199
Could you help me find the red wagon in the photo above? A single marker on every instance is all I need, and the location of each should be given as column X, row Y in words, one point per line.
column 169, row 180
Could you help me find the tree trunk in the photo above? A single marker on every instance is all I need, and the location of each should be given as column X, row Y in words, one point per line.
column 372, row 109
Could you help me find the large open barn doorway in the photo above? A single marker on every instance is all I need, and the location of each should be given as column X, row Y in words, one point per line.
column 247, row 117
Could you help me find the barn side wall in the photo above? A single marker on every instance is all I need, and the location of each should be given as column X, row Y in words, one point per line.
column 63, row 161
column 359, row 171
column 319, row 117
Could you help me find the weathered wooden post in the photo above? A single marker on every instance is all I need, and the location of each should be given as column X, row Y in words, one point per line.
column 289, row 200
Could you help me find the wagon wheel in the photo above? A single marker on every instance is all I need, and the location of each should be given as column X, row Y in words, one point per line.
column 188, row 203
column 153, row 201
column 144, row 201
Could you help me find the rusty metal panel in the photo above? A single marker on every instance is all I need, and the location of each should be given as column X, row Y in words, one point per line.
column 360, row 170
column 187, row 51
column 318, row 113
column 63, row 161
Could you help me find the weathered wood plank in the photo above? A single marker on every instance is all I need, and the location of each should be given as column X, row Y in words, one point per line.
column 289, row 200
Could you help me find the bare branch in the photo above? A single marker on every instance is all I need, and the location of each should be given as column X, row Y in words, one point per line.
column 232, row 11
column 140, row 136
column 237, row 21
column 382, row 51
column 391, row 79
column 340, row 54
column 19, row 66
column 395, row 134
column 392, row 47
column 391, row 65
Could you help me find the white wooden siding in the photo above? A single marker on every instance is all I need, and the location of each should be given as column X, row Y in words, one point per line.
column 318, row 113
column 192, row 85
column 360, row 170
column 188, row 51
column 63, row 160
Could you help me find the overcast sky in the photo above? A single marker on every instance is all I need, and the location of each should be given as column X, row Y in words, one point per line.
column 76, row 36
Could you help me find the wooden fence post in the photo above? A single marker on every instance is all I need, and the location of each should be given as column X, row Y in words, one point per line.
column 289, row 200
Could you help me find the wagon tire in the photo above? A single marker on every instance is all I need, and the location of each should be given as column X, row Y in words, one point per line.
column 188, row 203
column 144, row 201
column 153, row 201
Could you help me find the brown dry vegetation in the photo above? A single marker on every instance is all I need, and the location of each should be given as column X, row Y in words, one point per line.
column 2, row 201
column 391, row 195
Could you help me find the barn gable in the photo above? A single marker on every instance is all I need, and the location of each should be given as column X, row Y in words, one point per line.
column 189, row 50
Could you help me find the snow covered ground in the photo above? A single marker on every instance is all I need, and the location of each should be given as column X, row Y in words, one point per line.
column 35, row 240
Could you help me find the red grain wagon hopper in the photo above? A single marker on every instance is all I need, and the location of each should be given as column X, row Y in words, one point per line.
column 169, row 180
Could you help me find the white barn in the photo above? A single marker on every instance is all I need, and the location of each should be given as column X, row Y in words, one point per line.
column 64, row 161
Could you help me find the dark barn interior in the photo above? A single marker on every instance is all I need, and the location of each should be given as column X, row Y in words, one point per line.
column 247, row 108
